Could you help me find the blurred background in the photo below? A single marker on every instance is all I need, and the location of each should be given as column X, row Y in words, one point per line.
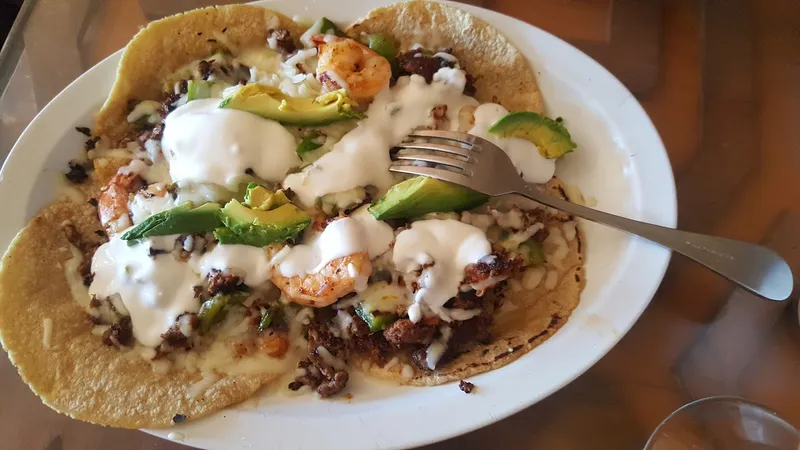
column 8, row 12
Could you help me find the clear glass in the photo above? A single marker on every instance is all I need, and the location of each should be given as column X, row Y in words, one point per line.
column 724, row 423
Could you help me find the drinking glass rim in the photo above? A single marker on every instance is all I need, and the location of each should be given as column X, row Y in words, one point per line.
column 731, row 398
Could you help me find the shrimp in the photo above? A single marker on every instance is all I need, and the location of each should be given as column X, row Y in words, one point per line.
column 114, row 202
column 112, row 205
column 336, row 279
column 346, row 64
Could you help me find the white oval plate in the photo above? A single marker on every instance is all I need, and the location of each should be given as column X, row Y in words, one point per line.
column 620, row 161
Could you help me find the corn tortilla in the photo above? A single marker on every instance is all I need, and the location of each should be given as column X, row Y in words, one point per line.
column 79, row 375
column 163, row 46
column 533, row 317
column 502, row 74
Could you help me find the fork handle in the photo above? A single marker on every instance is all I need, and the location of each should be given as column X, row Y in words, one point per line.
column 753, row 267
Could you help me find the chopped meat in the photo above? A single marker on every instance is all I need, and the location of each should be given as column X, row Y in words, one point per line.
column 153, row 252
column 91, row 143
column 357, row 327
column 120, row 333
column 77, row 173
column 469, row 331
column 219, row 282
column 205, row 69
column 84, row 131
column 404, row 331
column 168, row 105
column 318, row 374
column 469, row 86
column 334, row 385
column 283, row 41
column 465, row 300
column 373, row 346
column 416, row 62
column 419, row 357
column 174, row 337
column 496, row 265
column 87, row 249
column 466, row 386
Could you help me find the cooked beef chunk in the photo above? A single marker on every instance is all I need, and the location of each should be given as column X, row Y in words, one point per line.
column 219, row 282
column 469, row 331
column 334, row 385
column 357, row 328
column 283, row 41
column 86, row 247
column 466, row 386
column 205, row 69
column 373, row 346
column 419, row 357
column 404, row 331
column 465, row 300
column 175, row 338
column 120, row 333
column 91, row 143
column 153, row 252
column 77, row 173
column 319, row 375
column 416, row 62
column 498, row 264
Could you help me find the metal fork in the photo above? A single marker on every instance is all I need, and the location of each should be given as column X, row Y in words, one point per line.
column 480, row 165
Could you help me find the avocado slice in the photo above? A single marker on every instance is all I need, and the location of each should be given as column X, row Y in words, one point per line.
column 270, row 103
column 549, row 135
column 261, row 198
column 421, row 195
column 178, row 220
column 198, row 89
column 259, row 228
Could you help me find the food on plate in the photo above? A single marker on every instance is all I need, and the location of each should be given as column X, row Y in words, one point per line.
column 233, row 219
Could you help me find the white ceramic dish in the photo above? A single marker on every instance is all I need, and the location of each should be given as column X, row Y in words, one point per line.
column 620, row 161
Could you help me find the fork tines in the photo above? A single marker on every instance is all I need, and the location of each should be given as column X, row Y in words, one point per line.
column 453, row 154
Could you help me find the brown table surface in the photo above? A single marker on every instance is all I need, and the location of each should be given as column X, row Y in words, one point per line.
column 720, row 80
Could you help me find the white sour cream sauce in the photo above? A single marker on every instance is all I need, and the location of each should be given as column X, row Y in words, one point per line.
column 524, row 154
column 450, row 246
column 206, row 144
column 156, row 290
column 361, row 157
column 360, row 232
